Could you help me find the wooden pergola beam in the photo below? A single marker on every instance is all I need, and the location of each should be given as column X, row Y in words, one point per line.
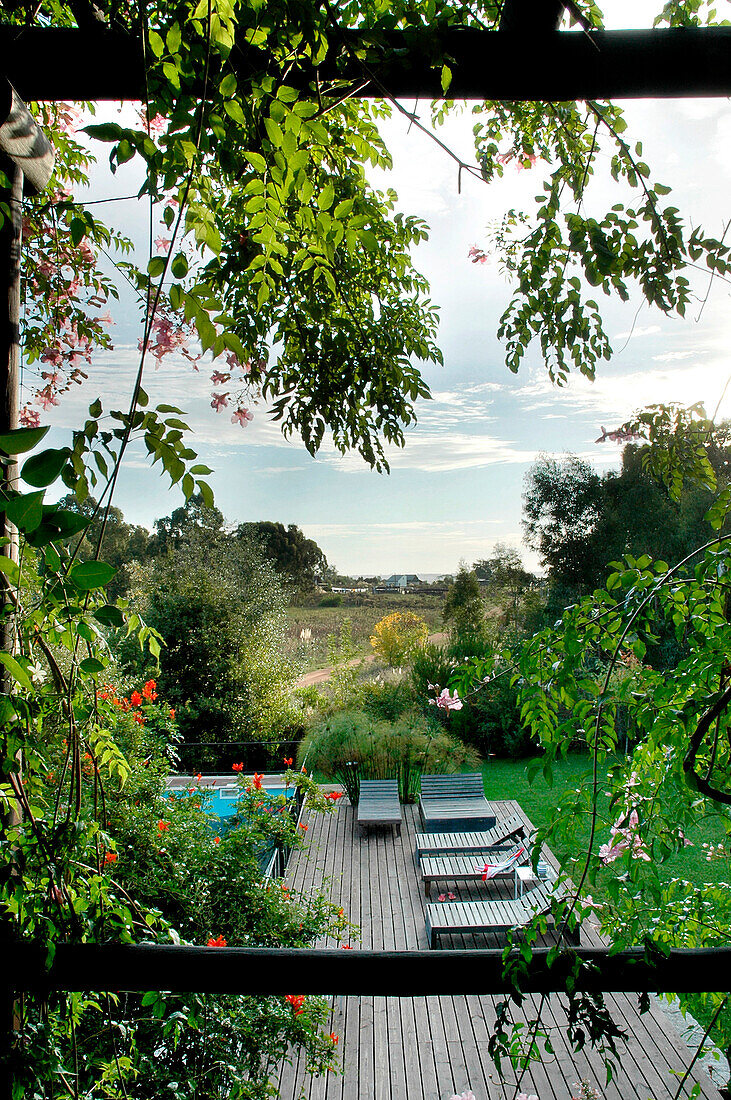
column 383, row 973
column 68, row 64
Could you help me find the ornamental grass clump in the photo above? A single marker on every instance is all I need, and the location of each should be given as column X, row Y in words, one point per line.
column 350, row 746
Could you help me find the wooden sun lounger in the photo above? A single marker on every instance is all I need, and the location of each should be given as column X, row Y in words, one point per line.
column 469, row 867
column 454, row 803
column 438, row 844
column 378, row 803
column 450, row 918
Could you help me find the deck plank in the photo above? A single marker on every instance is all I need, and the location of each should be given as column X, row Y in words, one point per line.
column 427, row 1048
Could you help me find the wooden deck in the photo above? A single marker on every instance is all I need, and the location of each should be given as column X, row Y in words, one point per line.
column 429, row 1048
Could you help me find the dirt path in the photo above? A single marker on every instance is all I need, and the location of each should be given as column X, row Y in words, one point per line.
column 322, row 675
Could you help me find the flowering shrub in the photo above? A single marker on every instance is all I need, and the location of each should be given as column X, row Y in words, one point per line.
column 398, row 636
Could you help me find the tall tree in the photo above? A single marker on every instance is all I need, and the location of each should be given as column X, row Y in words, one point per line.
column 463, row 607
column 292, row 554
column 563, row 503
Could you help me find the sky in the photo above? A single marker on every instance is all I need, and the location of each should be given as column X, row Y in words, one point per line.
column 456, row 488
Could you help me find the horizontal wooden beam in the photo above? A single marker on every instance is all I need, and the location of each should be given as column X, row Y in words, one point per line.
column 382, row 973
column 65, row 63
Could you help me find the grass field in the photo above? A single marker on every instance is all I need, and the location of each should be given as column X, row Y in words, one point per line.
column 363, row 613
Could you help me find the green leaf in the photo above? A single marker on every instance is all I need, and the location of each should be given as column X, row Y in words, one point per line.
column 156, row 266
column 42, row 469
column 109, row 615
column 179, row 266
column 87, row 575
column 25, row 511
column 77, row 229
column 20, row 440
column 10, row 568
column 105, row 131
column 91, row 666
column 16, row 671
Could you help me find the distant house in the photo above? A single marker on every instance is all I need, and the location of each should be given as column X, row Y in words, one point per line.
column 402, row 582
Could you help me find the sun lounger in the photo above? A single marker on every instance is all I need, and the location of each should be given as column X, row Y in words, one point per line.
column 453, row 803
column 501, row 835
column 378, row 803
column 471, row 867
column 451, row 918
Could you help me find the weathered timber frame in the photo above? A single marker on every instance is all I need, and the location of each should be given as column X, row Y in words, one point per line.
column 93, row 64
column 102, row 967
column 532, row 62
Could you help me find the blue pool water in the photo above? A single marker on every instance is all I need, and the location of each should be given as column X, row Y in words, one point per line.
column 222, row 793
column 223, row 803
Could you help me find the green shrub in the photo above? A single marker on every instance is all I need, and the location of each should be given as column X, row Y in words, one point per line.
column 331, row 601
column 387, row 699
column 351, row 745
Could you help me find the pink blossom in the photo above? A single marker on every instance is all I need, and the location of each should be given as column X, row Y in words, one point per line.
column 447, row 700
column 219, row 379
column 623, row 838
column 162, row 244
column 477, row 255
column 29, row 418
column 467, row 1095
column 525, row 1096
column 156, row 125
column 219, row 402
column 234, row 362
column 526, row 160
column 242, row 417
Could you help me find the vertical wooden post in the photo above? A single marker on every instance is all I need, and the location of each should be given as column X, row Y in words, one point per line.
column 10, row 248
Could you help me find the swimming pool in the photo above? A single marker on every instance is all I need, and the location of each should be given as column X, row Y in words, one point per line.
column 225, row 791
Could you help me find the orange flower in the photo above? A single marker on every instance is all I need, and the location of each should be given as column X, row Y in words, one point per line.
column 135, row 698
column 218, row 942
column 347, row 947
column 334, row 795
column 171, row 712
column 333, row 1038
column 149, row 690
column 199, row 776
column 162, row 826
column 257, row 781
column 304, row 827
column 110, row 857
column 216, row 840
column 288, row 760
column 297, row 1002
column 238, row 767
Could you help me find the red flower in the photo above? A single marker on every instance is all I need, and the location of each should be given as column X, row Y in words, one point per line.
column 162, row 826
column 297, row 1002
column 110, row 857
column 135, row 698
column 347, row 947
column 218, row 942
column 333, row 1038
column 171, row 712
column 334, row 795
column 288, row 760
column 139, row 717
column 257, row 781
column 238, row 767
column 149, row 690
column 304, row 828
column 199, row 776
column 216, row 840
